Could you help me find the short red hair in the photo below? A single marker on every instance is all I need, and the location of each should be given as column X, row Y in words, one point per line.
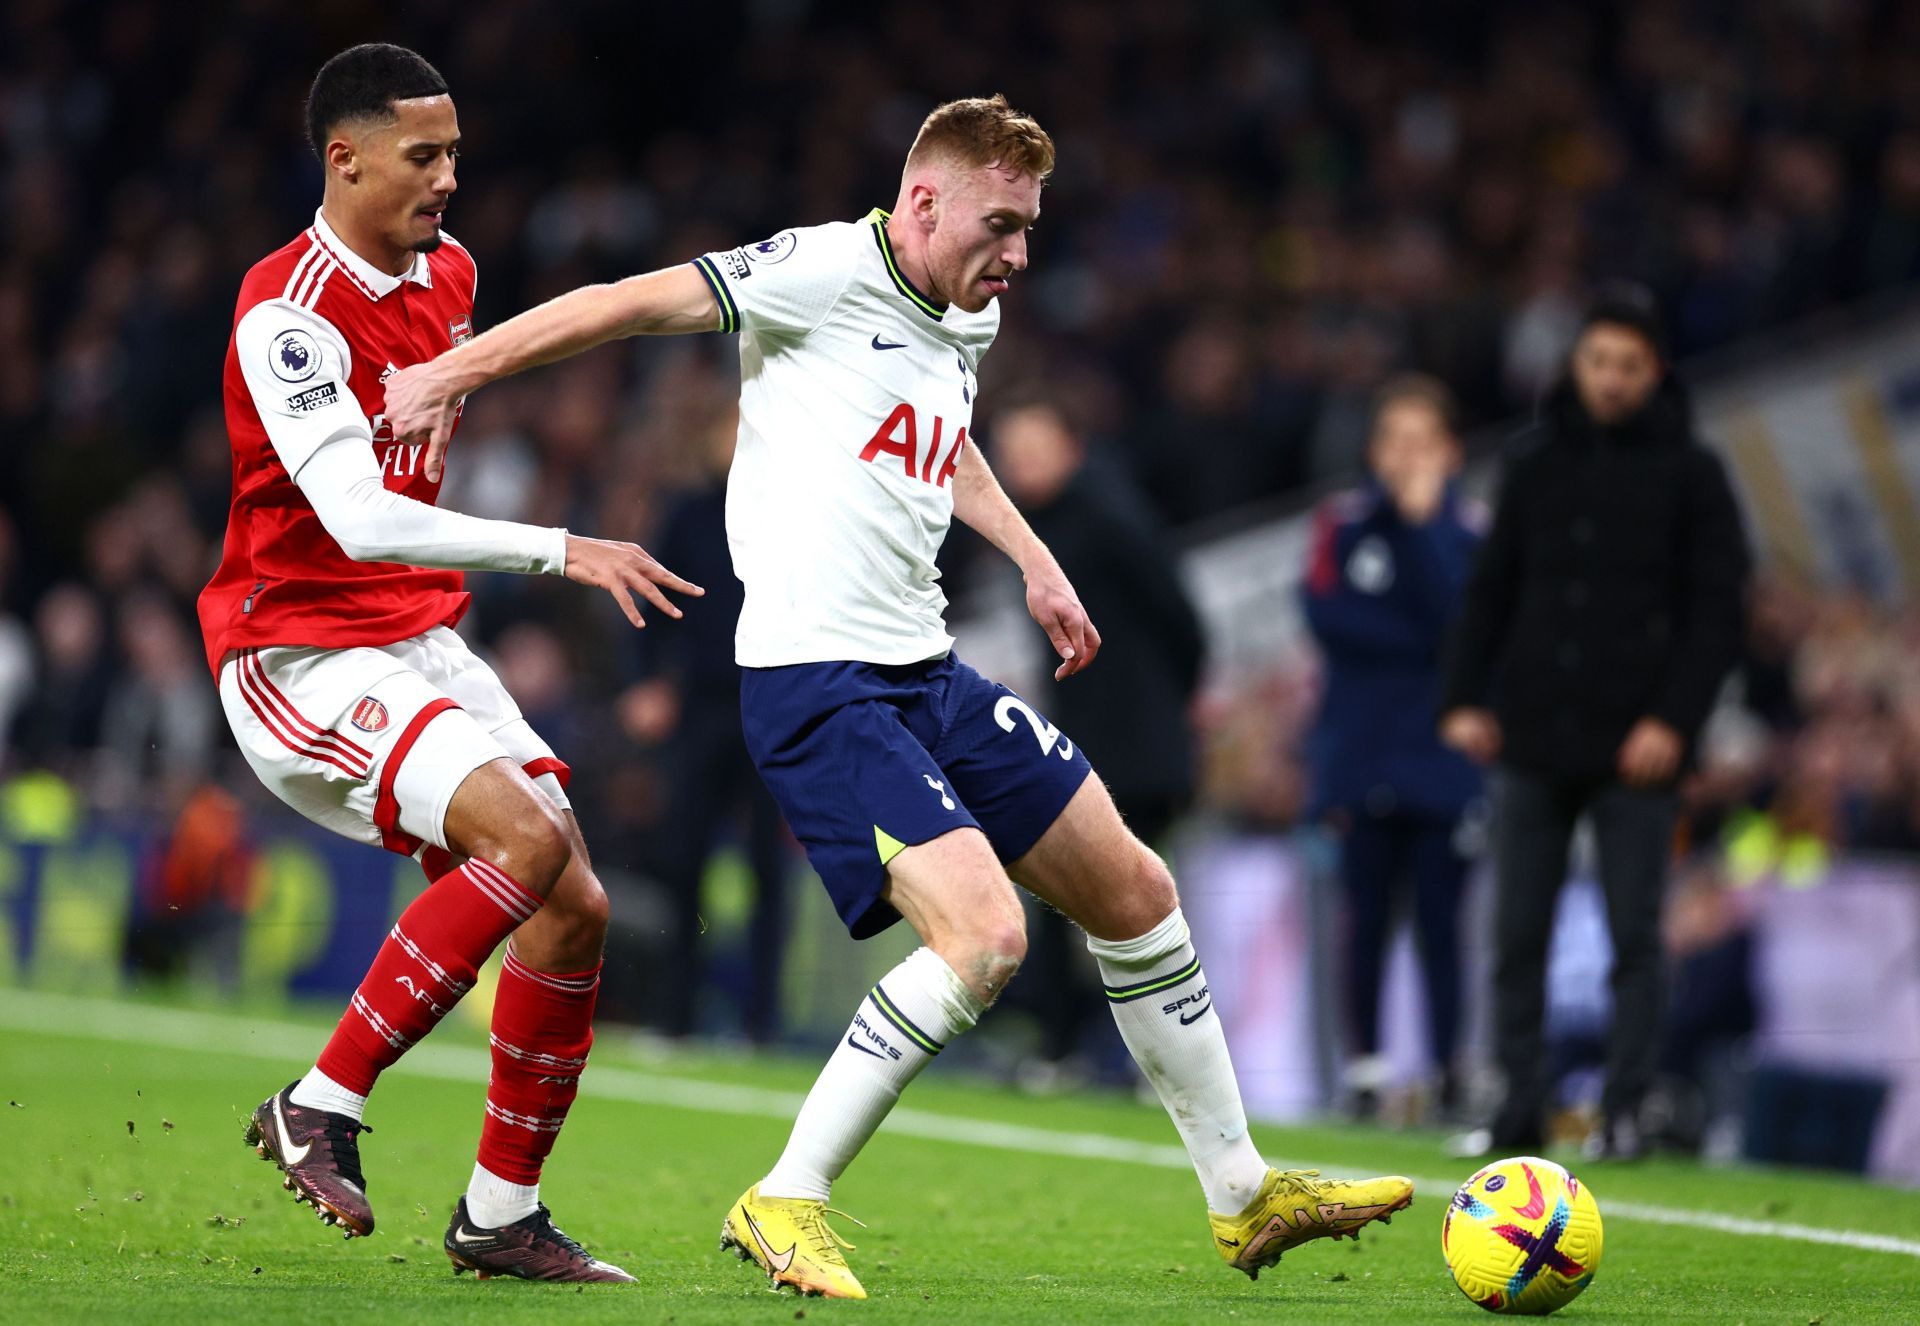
column 984, row 131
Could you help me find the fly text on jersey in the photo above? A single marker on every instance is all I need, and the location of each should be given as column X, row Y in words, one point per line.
column 400, row 460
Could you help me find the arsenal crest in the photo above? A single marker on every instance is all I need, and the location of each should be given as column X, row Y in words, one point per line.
column 369, row 715
column 460, row 328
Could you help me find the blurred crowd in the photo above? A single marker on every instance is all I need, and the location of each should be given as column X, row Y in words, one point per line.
column 1261, row 214
column 1823, row 755
column 1816, row 751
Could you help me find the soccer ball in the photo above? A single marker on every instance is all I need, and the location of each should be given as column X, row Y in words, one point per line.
column 1522, row 1235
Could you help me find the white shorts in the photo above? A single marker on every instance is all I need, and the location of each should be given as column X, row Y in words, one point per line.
column 373, row 741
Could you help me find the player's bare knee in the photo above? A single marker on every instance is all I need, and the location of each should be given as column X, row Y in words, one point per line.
column 998, row 953
column 586, row 916
column 1146, row 897
column 573, row 941
column 1153, row 896
column 534, row 849
column 542, row 842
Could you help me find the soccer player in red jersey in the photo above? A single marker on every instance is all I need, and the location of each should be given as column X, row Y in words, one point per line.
column 329, row 629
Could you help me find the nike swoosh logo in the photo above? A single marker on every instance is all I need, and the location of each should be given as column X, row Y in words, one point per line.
column 290, row 1155
column 879, row 344
column 777, row 1262
column 863, row 1049
column 460, row 1236
column 1231, row 1243
column 1198, row 1013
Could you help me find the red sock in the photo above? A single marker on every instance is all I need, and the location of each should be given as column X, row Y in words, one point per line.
column 437, row 861
column 427, row 962
column 542, row 1031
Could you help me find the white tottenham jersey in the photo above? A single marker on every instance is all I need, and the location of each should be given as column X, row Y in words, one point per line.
column 856, row 396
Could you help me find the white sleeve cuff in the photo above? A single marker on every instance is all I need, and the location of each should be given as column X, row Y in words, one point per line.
column 556, row 559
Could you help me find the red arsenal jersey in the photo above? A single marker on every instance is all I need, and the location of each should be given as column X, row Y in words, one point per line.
column 317, row 333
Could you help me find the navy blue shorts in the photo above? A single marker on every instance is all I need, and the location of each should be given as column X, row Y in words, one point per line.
column 866, row 759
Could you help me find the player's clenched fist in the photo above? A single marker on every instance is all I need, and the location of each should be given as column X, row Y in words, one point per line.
column 621, row 568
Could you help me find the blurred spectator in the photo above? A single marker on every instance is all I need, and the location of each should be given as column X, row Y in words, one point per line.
column 59, row 726
column 1130, row 712
column 194, row 892
column 1202, row 441
column 688, row 698
column 158, row 729
column 1603, row 614
column 532, row 665
column 1891, row 250
column 1383, row 583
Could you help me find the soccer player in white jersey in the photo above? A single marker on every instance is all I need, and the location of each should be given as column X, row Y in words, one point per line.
column 919, row 788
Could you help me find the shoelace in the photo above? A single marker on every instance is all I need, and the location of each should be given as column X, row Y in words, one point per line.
column 1306, row 1180
column 342, row 1136
column 822, row 1236
column 543, row 1224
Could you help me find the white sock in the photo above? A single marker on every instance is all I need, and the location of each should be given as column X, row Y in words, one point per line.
column 902, row 1023
column 317, row 1091
column 493, row 1202
column 1160, row 1000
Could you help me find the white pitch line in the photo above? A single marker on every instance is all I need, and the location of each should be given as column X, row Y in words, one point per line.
column 259, row 1038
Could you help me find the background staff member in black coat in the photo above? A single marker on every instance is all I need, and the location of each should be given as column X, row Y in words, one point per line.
column 1603, row 613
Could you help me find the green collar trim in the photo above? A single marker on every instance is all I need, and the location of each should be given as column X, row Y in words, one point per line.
column 878, row 219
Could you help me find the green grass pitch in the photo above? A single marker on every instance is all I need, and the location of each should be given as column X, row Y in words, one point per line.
column 127, row 1196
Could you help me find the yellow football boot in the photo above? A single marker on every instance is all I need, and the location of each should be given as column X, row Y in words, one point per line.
column 789, row 1239
column 1296, row 1205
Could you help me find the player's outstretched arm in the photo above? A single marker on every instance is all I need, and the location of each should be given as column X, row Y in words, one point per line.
column 372, row 524
column 423, row 399
column 980, row 502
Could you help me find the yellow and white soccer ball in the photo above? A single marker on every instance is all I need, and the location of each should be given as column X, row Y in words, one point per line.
column 1522, row 1235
